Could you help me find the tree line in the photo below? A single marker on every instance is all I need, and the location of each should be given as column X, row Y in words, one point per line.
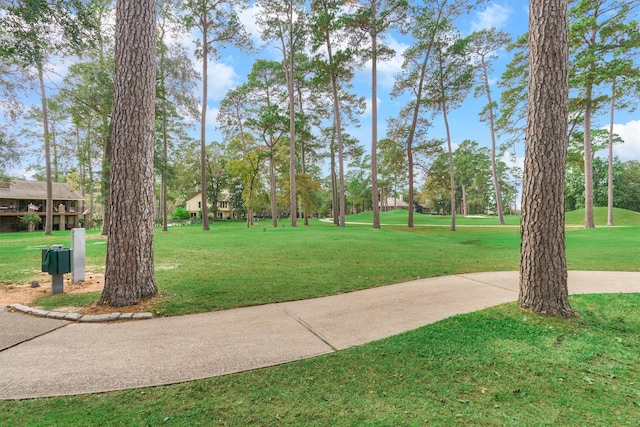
column 440, row 70
column 290, row 116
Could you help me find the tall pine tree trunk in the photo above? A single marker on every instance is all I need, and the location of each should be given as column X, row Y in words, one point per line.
column 543, row 268
column 48, row 224
column 203, row 128
column 292, row 122
column 341, row 183
column 610, row 172
column 588, row 161
column 374, row 130
column 272, row 185
column 129, row 274
column 452, row 180
column 494, row 166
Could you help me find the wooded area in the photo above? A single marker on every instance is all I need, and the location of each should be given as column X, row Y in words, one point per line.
column 292, row 113
column 286, row 151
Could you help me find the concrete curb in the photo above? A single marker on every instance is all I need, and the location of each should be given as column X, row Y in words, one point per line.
column 79, row 317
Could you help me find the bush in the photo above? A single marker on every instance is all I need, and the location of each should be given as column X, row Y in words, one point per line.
column 181, row 213
column 31, row 219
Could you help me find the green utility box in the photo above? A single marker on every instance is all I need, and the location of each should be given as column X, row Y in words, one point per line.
column 56, row 260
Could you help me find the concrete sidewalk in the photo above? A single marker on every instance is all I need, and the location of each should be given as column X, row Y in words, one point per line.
column 44, row 357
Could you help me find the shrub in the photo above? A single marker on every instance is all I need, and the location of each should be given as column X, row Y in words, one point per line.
column 31, row 219
column 181, row 213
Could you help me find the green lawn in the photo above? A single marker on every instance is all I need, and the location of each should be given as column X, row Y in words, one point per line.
column 231, row 266
column 500, row 366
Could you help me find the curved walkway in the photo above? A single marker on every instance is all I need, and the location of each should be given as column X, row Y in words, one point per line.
column 47, row 357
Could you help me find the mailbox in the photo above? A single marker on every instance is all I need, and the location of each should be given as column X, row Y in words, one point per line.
column 56, row 260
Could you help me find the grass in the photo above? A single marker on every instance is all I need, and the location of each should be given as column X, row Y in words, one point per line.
column 499, row 366
column 232, row 266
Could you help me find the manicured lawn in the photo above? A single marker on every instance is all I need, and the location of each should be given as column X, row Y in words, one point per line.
column 232, row 266
column 500, row 366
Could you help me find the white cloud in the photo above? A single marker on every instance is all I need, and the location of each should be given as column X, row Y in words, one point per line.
column 212, row 116
column 630, row 133
column 58, row 68
column 221, row 78
column 387, row 69
column 513, row 160
column 248, row 17
column 495, row 15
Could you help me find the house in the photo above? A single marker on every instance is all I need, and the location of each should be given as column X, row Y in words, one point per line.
column 20, row 197
column 393, row 204
column 194, row 205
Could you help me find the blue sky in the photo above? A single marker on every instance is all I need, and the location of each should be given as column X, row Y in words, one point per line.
column 510, row 16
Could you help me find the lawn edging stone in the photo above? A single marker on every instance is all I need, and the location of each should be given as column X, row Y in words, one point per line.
column 79, row 317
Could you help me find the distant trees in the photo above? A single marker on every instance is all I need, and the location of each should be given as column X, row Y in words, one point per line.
column 218, row 24
column 600, row 30
column 375, row 18
column 484, row 45
column 473, row 177
column 447, row 87
column 335, row 58
column 429, row 22
column 10, row 83
column 603, row 42
column 265, row 117
column 31, row 33
column 293, row 120
column 284, row 21
column 175, row 96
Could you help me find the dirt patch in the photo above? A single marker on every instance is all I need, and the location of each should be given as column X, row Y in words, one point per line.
column 26, row 294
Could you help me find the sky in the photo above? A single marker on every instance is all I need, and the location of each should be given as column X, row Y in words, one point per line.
column 511, row 16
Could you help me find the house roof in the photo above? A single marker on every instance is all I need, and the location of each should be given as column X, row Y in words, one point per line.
column 33, row 190
column 392, row 201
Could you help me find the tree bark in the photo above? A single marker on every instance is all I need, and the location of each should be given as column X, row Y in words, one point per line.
column 292, row 122
column 610, row 161
column 374, row 128
column 543, row 269
column 203, row 127
column 452, row 180
column 494, row 167
column 129, row 274
column 588, row 162
column 106, row 173
column 163, row 186
column 335, row 208
column 48, row 224
column 272, row 183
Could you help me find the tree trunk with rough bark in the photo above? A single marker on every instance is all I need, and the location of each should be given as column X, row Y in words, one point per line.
column 543, row 269
column 48, row 223
column 452, row 180
column 129, row 274
column 203, row 129
column 272, row 184
column 610, row 160
column 588, row 162
column 374, row 130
